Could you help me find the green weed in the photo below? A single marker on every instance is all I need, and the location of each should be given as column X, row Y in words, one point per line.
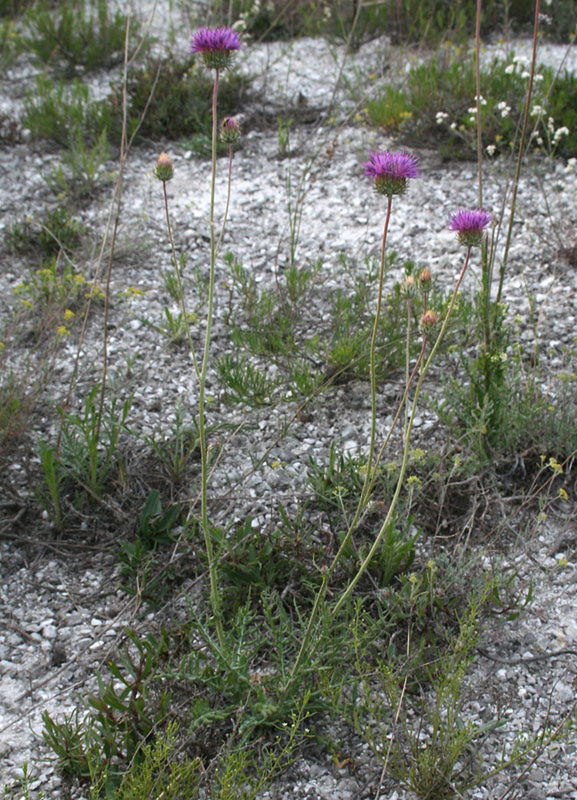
column 77, row 36
column 170, row 98
column 45, row 236
column 89, row 453
column 178, row 448
column 438, row 105
column 58, row 290
column 54, row 109
column 81, row 173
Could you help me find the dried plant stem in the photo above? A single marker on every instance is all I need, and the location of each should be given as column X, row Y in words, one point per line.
column 521, row 153
column 109, row 240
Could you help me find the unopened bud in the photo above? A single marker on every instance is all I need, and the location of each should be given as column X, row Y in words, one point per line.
column 409, row 287
column 425, row 279
column 229, row 130
column 164, row 169
column 429, row 323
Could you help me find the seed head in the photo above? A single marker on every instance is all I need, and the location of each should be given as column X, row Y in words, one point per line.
column 429, row 323
column 216, row 45
column 391, row 171
column 229, row 130
column 470, row 226
column 164, row 169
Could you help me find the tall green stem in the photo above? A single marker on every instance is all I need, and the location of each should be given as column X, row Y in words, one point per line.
column 407, row 358
column 368, row 482
column 205, row 523
column 478, row 103
column 179, row 281
column 389, row 517
column 372, row 355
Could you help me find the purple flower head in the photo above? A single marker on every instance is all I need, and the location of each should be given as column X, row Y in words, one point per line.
column 470, row 226
column 216, row 46
column 391, row 171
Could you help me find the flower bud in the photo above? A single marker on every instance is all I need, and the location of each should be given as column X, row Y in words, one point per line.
column 409, row 287
column 164, row 169
column 425, row 280
column 429, row 323
column 229, row 130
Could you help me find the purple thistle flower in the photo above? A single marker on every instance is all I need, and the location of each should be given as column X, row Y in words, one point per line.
column 470, row 226
column 216, row 45
column 391, row 171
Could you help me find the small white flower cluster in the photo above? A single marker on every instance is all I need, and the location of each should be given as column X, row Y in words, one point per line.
column 537, row 110
column 563, row 131
column 519, row 64
column 503, row 108
column 473, row 109
column 440, row 117
column 250, row 14
column 538, row 138
column 571, row 164
column 491, row 149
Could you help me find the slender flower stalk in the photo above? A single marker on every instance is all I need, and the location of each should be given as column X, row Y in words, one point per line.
column 470, row 228
column 389, row 519
column 216, row 47
column 229, row 133
column 520, row 155
column 205, row 523
column 391, row 172
column 164, row 171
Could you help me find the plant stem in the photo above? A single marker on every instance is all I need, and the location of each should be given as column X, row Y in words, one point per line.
column 344, row 544
column 372, row 355
column 205, row 524
column 503, row 266
column 389, row 517
column 179, row 280
column 407, row 359
column 221, row 234
column 478, row 104
column 369, row 475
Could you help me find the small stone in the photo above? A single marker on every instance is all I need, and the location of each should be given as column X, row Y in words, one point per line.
column 49, row 632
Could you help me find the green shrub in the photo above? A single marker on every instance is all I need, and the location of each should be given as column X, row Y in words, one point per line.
column 78, row 35
column 437, row 106
column 54, row 231
column 175, row 98
column 57, row 110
